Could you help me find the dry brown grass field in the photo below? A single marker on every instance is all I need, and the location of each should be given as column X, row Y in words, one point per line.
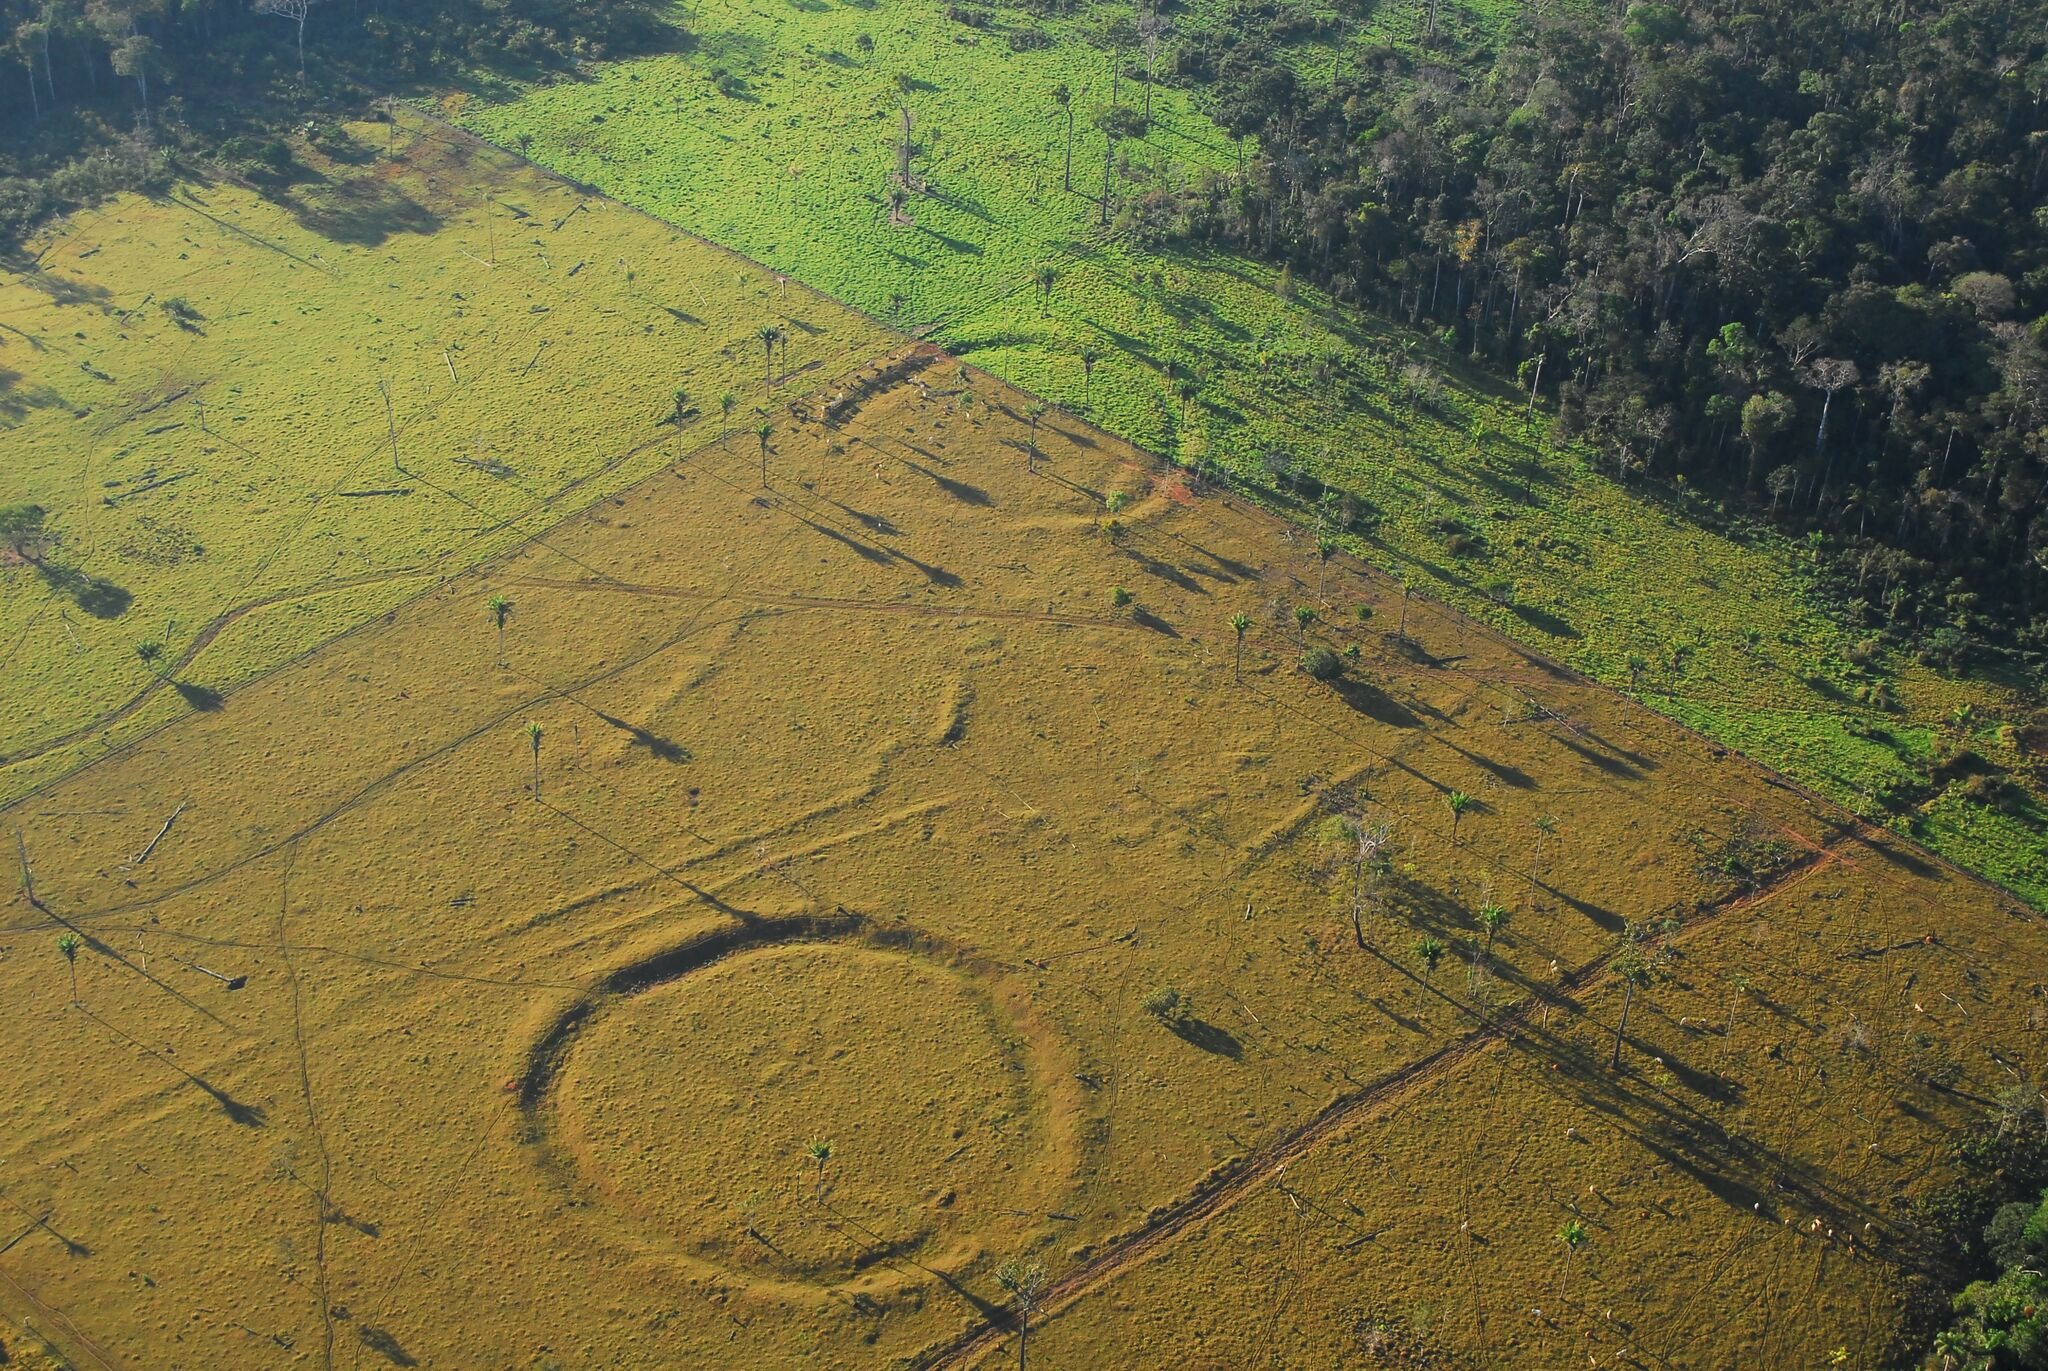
column 773, row 943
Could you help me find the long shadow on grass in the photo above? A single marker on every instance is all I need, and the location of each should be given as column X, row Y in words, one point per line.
column 362, row 212
column 100, row 598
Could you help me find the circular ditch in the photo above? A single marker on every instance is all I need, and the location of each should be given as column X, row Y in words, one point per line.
column 683, row 1101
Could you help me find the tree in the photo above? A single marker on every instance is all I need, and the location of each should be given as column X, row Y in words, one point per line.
column 533, row 735
column 501, row 610
column 1429, row 951
column 1764, row 417
column 1303, row 617
column 904, row 85
column 25, row 532
column 1032, row 416
column 68, row 944
column 1240, row 621
column 682, row 399
column 1064, row 98
column 295, row 11
column 726, row 402
column 1780, row 483
column 764, row 431
column 1829, row 375
column 1044, row 278
column 820, row 1152
column 136, row 55
column 152, row 654
column 1368, row 865
column 1089, row 357
column 1491, row 917
column 1459, row 802
column 768, row 334
column 865, row 44
column 1022, row 1282
column 1639, row 963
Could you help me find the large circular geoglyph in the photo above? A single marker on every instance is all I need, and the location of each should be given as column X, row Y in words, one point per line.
column 685, row 1106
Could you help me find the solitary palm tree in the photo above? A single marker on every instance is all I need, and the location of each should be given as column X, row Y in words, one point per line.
column 1459, row 802
column 726, row 401
column 1491, row 917
column 533, row 737
column 820, row 1152
column 1303, row 617
column 1429, row 951
column 1033, row 415
column 767, row 333
column 1188, row 391
column 1326, row 548
column 69, row 944
column 1045, row 279
column 1064, row 98
column 501, row 610
column 1089, row 357
column 151, row 653
column 1545, row 826
column 1240, row 621
column 764, row 431
column 682, row 404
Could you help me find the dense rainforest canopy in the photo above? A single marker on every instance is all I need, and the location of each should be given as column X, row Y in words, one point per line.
column 1797, row 252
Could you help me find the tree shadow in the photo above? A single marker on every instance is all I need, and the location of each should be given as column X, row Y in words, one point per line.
column 361, row 212
column 1375, row 704
column 1209, row 1037
column 959, row 490
column 204, row 699
column 384, row 1345
column 100, row 598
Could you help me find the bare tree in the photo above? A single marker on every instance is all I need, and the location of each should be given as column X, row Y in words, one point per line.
column 1023, row 1282
column 1829, row 375
column 295, row 11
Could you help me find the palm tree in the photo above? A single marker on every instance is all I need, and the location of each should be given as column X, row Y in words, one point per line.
column 1187, row 390
column 69, row 944
column 1429, row 951
column 1089, row 357
column 1044, row 279
column 1303, row 617
column 767, row 334
column 151, row 652
column 1022, row 1281
column 820, row 1152
column 1491, row 917
column 726, row 401
column 533, row 732
column 1545, row 827
column 764, row 431
column 1459, row 802
column 1064, row 98
column 501, row 610
column 1326, row 548
column 682, row 404
column 1240, row 621
column 1033, row 415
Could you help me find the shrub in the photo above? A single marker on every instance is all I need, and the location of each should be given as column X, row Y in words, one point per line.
column 1120, row 597
column 1167, row 1005
column 1322, row 664
column 1116, row 501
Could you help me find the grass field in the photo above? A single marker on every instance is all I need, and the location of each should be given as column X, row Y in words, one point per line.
column 869, row 858
column 775, row 135
column 194, row 391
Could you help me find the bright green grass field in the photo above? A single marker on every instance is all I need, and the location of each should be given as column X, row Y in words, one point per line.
column 794, row 169
column 194, row 389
